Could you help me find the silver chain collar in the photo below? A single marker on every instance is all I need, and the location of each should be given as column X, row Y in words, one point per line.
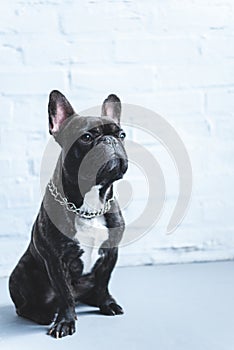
column 72, row 207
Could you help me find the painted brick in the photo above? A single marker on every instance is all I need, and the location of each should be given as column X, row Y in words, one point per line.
column 12, row 142
column 28, row 18
column 189, row 17
column 162, row 50
column 10, row 55
column 194, row 76
column 90, row 79
column 6, row 110
column 216, row 48
column 85, row 19
column 173, row 57
column 174, row 104
column 31, row 82
column 19, row 195
column 220, row 103
column 30, row 114
column 5, row 167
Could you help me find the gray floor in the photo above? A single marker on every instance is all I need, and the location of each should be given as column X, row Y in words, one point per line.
column 174, row 307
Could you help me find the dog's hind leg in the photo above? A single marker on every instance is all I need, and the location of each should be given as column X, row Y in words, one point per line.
column 31, row 292
column 99, row 294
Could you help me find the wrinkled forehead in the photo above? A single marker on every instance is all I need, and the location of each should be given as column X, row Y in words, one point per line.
column 103, row 125
column 76, row 126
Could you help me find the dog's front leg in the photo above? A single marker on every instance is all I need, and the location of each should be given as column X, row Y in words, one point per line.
column 105, row 301
column 57, row 266
column 64, row 323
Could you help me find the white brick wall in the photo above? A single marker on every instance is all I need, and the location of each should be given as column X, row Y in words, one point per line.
column 175, row 57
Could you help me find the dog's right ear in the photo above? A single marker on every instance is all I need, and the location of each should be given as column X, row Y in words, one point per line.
column 59, row 110
column 111, row 107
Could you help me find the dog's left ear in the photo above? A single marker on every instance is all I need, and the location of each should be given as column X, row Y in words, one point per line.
column 111, row 107
column 59, row 110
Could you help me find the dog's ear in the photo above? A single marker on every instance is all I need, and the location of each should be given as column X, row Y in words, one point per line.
column 59, row 110
column 111, row 107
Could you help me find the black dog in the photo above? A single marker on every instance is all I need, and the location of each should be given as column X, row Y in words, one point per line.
column 73, row 247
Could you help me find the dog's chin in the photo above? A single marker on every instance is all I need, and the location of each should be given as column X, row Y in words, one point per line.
column 112, row 171
column 108, row 181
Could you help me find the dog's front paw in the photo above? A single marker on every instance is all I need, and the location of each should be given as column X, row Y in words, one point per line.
column 63, row 326
column 111, row 309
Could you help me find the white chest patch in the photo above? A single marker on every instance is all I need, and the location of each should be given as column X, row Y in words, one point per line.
column 91, row 233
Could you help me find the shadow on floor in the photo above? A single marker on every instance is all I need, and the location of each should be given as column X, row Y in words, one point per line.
column 13, row 325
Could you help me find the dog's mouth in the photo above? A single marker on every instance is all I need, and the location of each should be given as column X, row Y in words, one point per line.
column 111, row 171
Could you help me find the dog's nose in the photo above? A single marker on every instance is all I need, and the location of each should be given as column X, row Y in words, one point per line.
column 108, row 139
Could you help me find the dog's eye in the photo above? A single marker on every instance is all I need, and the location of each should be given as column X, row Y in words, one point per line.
column 87, row 137
column 122, row 135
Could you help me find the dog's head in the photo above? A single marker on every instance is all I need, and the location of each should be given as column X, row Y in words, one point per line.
column 92, row 147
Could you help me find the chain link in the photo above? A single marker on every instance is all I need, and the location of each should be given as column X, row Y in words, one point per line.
column 72, row 207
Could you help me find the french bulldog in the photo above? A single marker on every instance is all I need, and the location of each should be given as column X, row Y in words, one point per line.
column 74, row 240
